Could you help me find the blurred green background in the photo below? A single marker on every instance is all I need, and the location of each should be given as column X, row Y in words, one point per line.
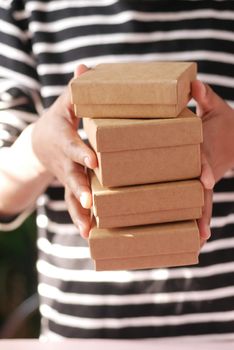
column 18, row 281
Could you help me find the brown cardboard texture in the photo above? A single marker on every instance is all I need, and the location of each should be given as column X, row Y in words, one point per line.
column 148, row 218
column 145, row 246
column 147, row 262
column 134, row 152
column 149, row 240
column 146, row 204
column 133, row 90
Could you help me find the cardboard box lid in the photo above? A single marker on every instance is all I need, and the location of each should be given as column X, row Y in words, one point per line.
column 153, row 217
column 145, row 198
column 144, row 240
column 133, row 83
column 113, row 135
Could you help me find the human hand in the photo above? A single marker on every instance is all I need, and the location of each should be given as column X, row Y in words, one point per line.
column 208, row 182
column 218, row 128
column 59, row 148
column 217, row 149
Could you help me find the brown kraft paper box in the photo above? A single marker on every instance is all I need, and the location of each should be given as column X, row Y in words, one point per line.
column 146, row 204
column 133, row 90
column 140, row 151
column 150, row 246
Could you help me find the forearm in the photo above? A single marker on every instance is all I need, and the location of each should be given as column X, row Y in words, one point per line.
column 22, row 176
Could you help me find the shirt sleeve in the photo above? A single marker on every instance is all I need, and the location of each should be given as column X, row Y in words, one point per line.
column 20, row 101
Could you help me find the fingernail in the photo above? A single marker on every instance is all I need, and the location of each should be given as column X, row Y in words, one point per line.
column 86, row 200
column 203, row 88
column 87, row 162
column 208, row 232
column 208, row 183
column 207, row 180
column 83, row 230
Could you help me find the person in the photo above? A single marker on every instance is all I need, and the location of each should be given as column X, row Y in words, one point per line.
column 42, row 43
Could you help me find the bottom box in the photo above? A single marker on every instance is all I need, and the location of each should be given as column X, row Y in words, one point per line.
column 148, row 246
column 147, row 262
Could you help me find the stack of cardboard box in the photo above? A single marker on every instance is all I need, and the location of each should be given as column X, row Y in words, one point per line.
column 146, row 192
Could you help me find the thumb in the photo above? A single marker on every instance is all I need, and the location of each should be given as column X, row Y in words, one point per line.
column 82, row 68
column 207, row 100
column 66, row 95
column 79, row 70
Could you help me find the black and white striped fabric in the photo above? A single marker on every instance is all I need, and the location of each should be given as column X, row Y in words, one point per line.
column 41, row 42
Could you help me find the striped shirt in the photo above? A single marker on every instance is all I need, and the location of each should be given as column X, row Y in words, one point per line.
column 41, row 42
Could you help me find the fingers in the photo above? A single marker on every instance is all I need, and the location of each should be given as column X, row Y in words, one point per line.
column 204, row 222
column 78, row 196
column 78, row 183
column 65, row 97
column 207, row 176
column 74, row 148
column 208, row 181
column 82, row 68
column 207, row 100
column 77, row 154
column 77, row 151
column 80, row 216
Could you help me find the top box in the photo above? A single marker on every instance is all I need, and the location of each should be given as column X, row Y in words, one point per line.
column 133, row 90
